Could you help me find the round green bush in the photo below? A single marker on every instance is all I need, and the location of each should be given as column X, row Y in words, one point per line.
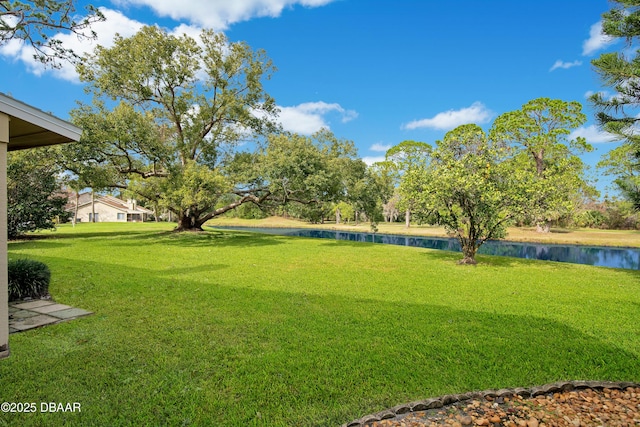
column 28, row 279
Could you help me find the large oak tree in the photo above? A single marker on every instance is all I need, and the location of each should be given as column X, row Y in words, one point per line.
column 168, row 112
column 187, row 125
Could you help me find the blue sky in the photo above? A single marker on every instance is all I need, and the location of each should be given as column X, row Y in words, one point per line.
column 376, row 72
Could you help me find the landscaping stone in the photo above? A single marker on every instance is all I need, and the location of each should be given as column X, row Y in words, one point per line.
column 466, row 420
column 572, row 403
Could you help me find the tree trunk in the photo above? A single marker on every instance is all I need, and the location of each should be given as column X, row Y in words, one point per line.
column 75, row 209
column 188, row 223
column 407, row 218
column 337, row 216
column 543, row 227
column 93, row 207
column 539, row 164
column 469, row 254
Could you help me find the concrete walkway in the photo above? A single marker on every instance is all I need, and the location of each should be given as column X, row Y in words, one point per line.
column 33, row 314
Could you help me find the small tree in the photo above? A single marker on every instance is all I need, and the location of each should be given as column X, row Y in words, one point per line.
column 343, row 211
column 406, row 157
column 470, row 186
column 538, row 133
column 622, row 163
column 32, row 203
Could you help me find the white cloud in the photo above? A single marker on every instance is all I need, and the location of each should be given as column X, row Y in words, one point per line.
column 190, row 30
column 310, row 117
column 596, row 41
column 592, row 134
column 115, row 22
column 380, row 147
column 565, row 65
column 219, row 14
column 369, row 160
column 476, row 113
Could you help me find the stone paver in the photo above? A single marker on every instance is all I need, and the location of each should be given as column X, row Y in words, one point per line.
column 70, row 313
column 50, row 308
column 33, row 314
column 22, row 314
column 33, row 304
column 33, row 322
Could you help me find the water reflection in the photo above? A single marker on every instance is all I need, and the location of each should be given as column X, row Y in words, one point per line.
column 628, row 258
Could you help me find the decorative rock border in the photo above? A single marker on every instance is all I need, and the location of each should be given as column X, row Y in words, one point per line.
column 439, row 402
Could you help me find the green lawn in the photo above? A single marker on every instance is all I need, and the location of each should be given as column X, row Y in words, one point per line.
column 235, row 329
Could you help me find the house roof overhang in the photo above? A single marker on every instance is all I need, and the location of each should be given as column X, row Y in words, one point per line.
column 30, row 127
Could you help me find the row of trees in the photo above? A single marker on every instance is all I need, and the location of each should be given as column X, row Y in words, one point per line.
column 475, row 184
column 187, row 126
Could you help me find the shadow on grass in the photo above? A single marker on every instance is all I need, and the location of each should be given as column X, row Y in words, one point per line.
column 558, row 231
column 142, row 237
column 24, row 244
column 87, row 233
column 213, row 239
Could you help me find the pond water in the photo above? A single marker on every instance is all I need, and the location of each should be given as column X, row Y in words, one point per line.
column 614, row 257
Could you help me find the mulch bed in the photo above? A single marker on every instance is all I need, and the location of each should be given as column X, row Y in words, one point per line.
column 570, row 404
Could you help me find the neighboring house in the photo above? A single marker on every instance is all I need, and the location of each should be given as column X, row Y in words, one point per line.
column 107, row 209
column 22, row 126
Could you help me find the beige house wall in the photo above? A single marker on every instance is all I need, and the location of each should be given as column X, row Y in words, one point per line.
column 105, row 213
column 4, row 277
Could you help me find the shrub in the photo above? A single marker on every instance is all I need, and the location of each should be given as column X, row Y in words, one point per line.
column 591, row 218
column 28, row 279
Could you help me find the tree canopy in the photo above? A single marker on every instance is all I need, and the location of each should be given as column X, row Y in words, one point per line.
column 622, row 163
column 538, row 135
column 476, row 184
column 34, row 21
column 404, row 158
column 470, row 187
column 187, row 125
column 620, row 72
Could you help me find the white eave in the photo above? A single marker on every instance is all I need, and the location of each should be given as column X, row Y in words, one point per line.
column 31, row 127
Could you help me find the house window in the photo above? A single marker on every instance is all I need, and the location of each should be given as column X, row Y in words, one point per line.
column 92, row 219
column 120, row 217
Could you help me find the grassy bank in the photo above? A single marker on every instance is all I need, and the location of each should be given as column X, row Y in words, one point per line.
column 582, row 236
column 231, row 328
